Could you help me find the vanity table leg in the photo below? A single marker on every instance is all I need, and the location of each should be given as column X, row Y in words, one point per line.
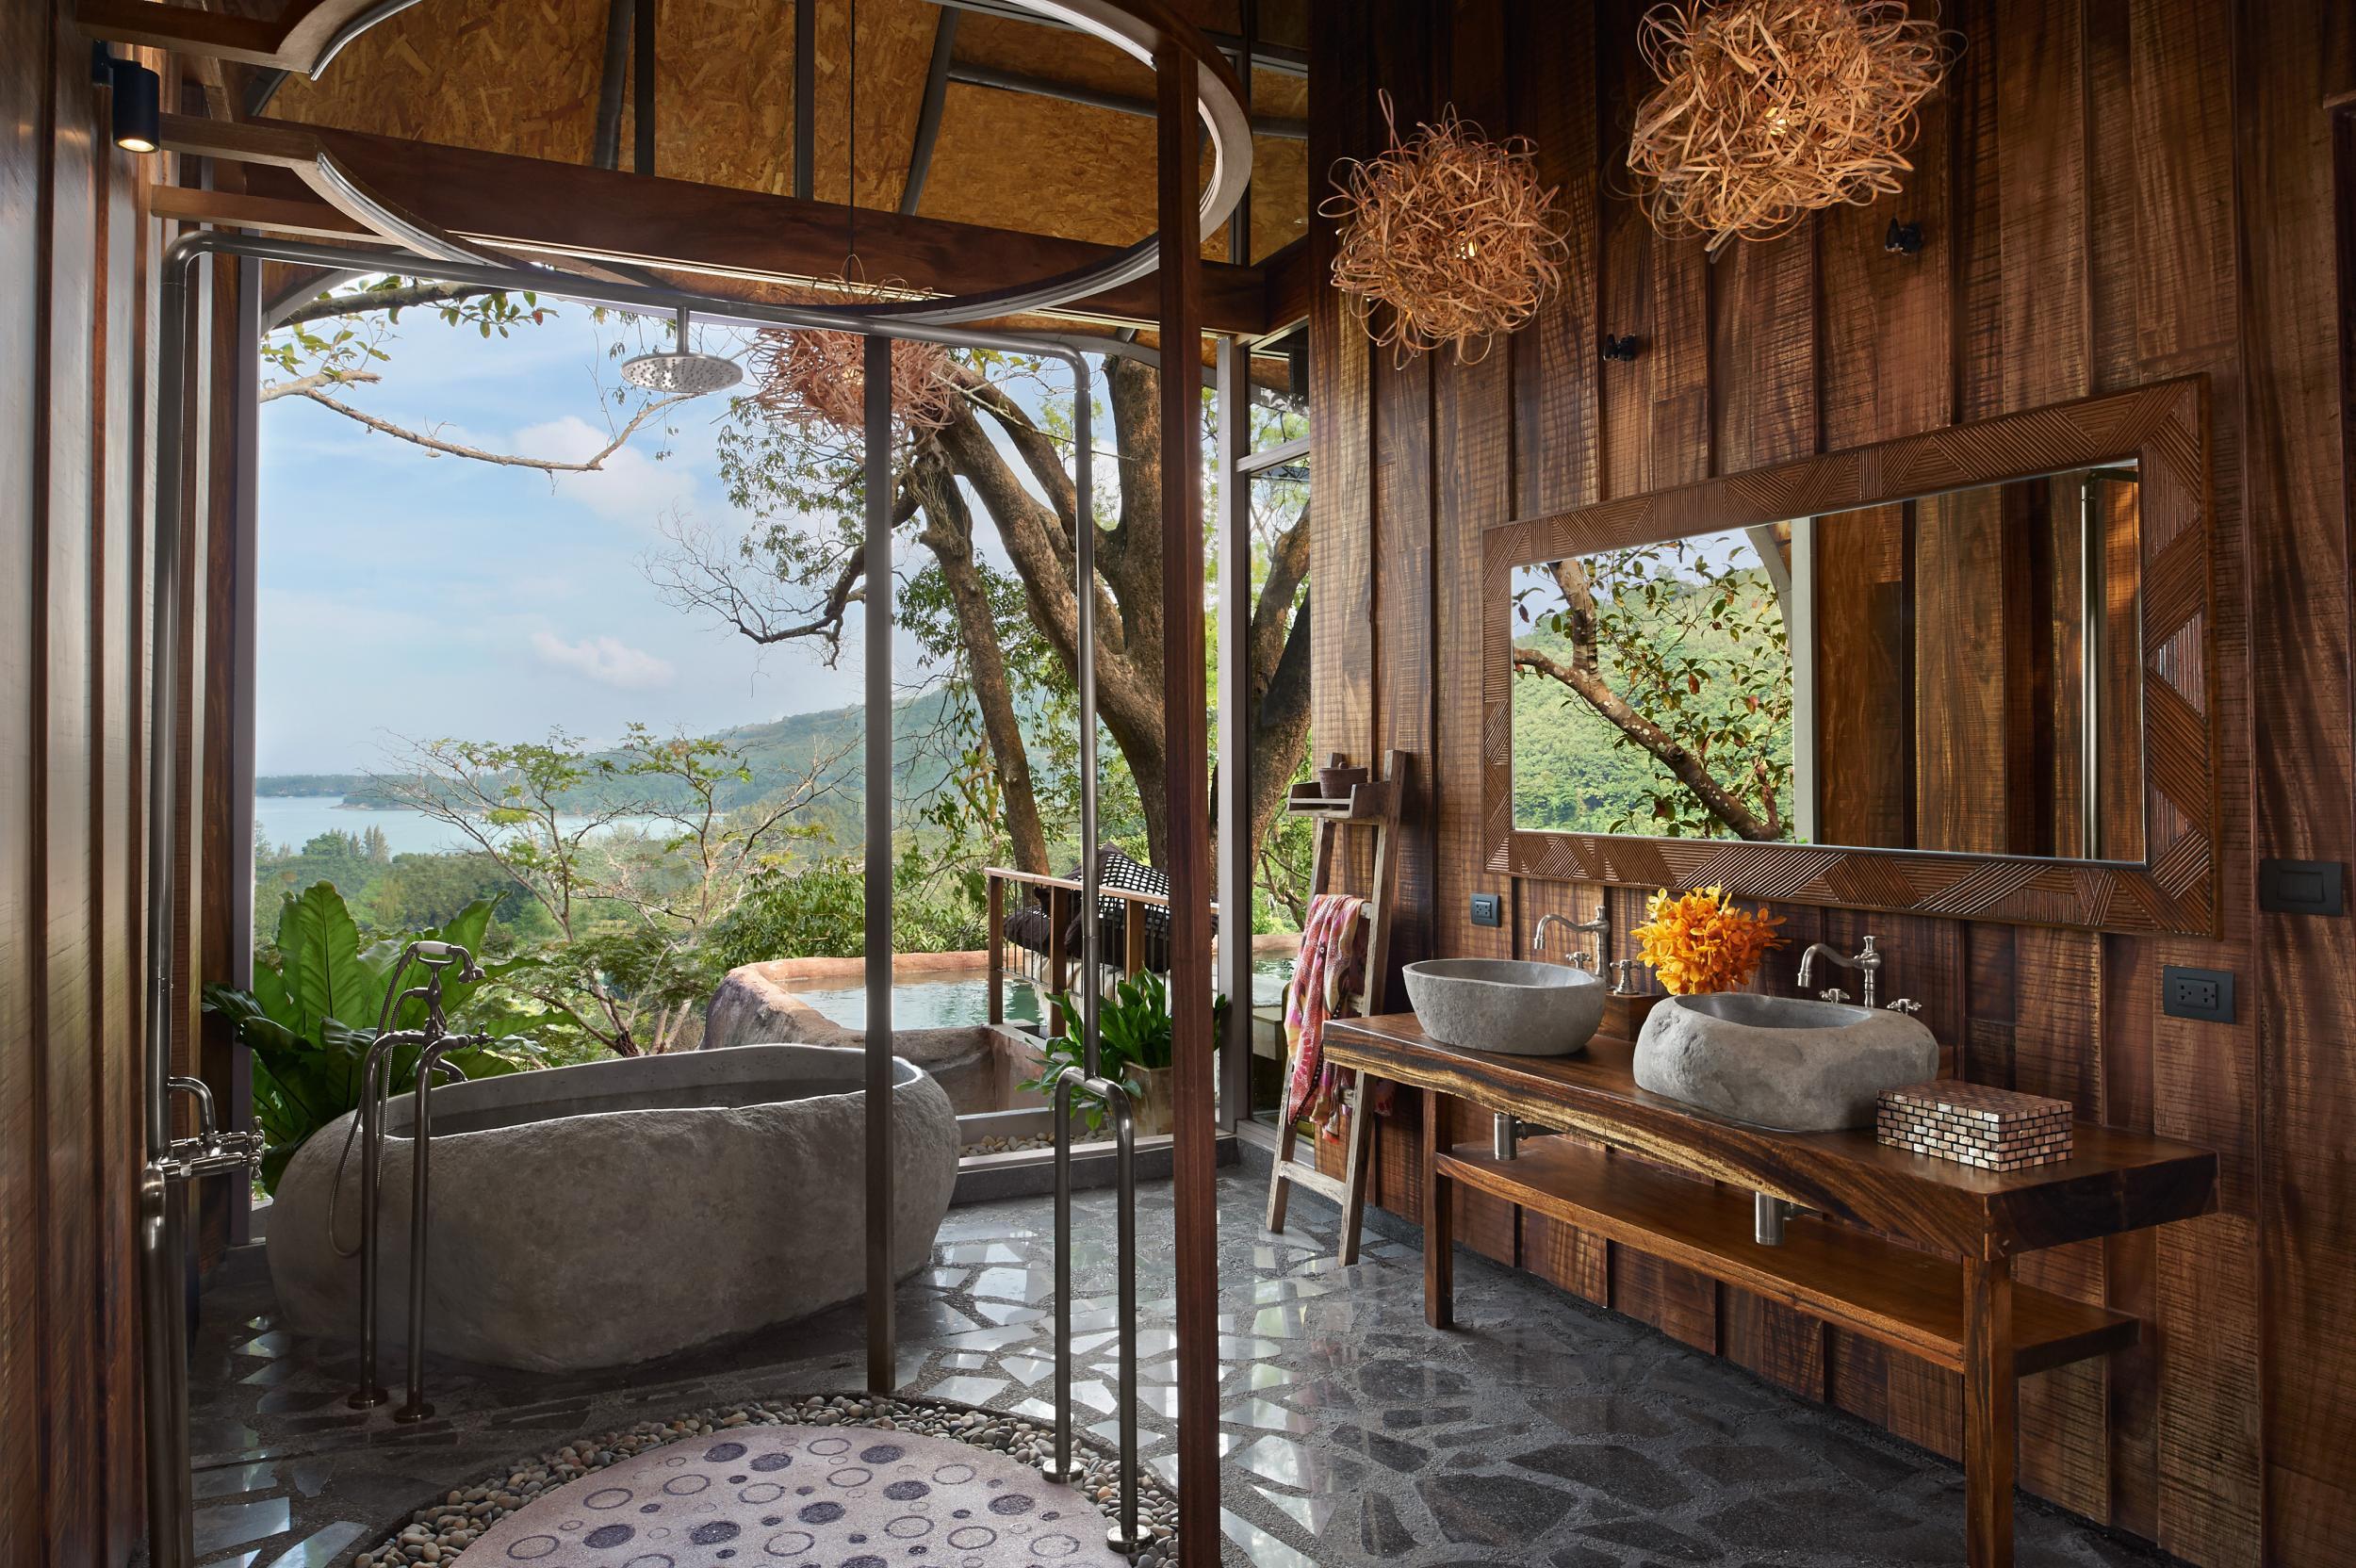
column 1439, row 1220
column 1354, row 1165
column 1990, row 1424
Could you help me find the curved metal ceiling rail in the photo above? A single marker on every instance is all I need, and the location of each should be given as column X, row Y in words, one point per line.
column 311, row 33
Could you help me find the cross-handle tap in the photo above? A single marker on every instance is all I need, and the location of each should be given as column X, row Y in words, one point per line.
column 1601, row 926
column 1868, row 963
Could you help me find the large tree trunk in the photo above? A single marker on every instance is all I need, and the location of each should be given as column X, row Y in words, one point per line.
column 948, row 532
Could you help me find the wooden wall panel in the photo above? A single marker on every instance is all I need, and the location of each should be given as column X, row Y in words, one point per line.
column 23, row 70
column 2293, row 59
column 2112, row 194
column 73, row 449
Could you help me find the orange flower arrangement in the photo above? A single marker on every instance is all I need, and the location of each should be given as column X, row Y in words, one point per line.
column 1702, row 940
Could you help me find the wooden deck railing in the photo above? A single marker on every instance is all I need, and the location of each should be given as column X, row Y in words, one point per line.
column 1051, row 971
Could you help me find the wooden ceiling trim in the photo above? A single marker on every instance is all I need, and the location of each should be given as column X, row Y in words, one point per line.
column 558, row 209
column 292, row 41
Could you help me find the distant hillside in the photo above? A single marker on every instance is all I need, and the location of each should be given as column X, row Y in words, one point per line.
column 775, row 753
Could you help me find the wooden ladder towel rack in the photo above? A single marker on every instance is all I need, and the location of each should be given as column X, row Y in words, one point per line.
column 1375, row 805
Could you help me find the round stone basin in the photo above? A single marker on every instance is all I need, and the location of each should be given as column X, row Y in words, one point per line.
column 622, row 1210
column 1788, row 1063
column 1513, row 1006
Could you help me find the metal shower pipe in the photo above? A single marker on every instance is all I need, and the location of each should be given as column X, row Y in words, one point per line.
column 162, row 1237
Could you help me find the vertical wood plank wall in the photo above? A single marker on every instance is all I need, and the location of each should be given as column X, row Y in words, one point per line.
column 78, row 258
column 2113, row 192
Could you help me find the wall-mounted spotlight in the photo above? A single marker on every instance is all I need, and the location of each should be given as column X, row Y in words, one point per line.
column 1622, row 348
column 1904, row 239
column 138, row 106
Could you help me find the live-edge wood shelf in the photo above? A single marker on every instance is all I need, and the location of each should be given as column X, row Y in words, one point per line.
column 1956, row 1306
column 1908, row 1300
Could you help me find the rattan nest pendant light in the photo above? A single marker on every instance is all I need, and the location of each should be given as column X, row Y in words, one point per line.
column 1770, row 109
column 1446, row 238
column 803, row 376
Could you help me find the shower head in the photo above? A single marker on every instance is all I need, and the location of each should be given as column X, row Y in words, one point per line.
column 682, row 372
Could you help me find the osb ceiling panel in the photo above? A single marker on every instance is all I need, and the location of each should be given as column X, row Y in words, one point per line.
column 522, row 77
column 506, row 75
column 1052, row 54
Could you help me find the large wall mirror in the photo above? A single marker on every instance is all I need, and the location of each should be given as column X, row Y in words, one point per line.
column 1964, row 673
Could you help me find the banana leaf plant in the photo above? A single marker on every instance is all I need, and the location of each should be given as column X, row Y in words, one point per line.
column 311, row 1016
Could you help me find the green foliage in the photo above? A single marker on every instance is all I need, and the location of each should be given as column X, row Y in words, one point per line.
column 313, row 1011
column 1692, row 635
column 1135, row 1034
column 819, row 910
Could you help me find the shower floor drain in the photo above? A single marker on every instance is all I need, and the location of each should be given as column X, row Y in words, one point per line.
column 805, row 1497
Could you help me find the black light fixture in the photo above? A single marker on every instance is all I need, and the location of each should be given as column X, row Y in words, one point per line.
column 138, row 106
column 1623, row 349
column 1904, row 239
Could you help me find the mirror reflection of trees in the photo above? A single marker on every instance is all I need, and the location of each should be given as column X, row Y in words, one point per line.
column 1653, row 691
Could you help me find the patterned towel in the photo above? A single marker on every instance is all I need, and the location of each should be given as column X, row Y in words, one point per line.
column 1329, row 981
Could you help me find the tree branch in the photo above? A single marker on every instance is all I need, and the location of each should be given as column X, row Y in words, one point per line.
column 302, row 386
column 593, row 464
column 370, row 301
column 1587, row 681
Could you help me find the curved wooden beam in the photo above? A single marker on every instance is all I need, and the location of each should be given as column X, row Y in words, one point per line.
column 306, row 34
column 301, row 37
column 621, row 224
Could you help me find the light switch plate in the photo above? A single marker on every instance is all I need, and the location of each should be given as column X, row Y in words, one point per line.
column 2302, row 887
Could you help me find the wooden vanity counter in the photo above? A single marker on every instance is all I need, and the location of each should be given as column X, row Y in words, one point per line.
column 1954, row 1305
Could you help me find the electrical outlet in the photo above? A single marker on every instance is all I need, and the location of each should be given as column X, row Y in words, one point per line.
column 1488, row 909
column 2206, row 995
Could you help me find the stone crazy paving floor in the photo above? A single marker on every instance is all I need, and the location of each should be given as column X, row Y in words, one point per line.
column 1543, row 1430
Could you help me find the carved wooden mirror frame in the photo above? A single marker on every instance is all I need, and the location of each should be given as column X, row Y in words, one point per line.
column 2163, row 428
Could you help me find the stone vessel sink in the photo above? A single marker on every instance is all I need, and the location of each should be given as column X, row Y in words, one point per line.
column 1781, row 1062
column 1509, row 1006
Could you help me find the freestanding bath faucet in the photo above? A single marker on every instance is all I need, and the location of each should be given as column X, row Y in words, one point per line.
column 1601, row 926
column 1868, row 963
column 433, row 1043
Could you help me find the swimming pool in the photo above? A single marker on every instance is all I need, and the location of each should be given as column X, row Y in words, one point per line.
column 955, row 1001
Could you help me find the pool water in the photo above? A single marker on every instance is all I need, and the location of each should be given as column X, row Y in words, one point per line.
column 954, row 1001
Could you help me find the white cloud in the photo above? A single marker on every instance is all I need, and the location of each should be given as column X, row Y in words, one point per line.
column 608, row 661
column 629, row 487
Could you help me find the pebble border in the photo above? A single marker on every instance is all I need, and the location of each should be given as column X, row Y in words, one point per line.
column 440, row 1532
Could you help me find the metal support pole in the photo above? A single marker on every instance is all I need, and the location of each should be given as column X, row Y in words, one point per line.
column 430, row 1061
column 1232, row 848
column 641, row 86
column 1092, row 872
column 1505, row 1135
column 170, row 1520
column 1061, row 1468
column 1123, row 1536
column 805, row 97
column 882, row 1348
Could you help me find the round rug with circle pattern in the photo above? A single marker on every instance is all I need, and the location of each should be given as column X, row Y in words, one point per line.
column 805, row 1497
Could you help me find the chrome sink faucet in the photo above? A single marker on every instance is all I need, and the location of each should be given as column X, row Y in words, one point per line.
column 1601, row 926
column 1868, row 962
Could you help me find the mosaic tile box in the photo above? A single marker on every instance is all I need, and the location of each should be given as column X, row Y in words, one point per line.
column 1976, row 1125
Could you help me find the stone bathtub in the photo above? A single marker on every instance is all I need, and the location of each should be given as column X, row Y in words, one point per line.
column 622, row 1210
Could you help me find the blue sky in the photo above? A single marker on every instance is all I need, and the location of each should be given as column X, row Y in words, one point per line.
column 404, row 593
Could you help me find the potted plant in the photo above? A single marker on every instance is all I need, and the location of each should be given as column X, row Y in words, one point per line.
column 1702, row 940
column 1136, row 1044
